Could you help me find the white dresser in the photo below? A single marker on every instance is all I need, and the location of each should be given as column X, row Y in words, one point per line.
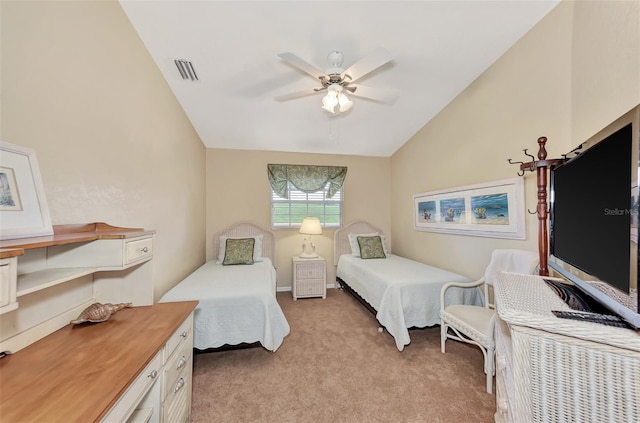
column 135, row 367
column 309, row 277
column 558, row 370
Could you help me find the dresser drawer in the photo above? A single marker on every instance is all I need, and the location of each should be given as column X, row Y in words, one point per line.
column 128, row 402
column 177, row 404
column 8, row 286
column 5, row 281
column 179, row 337
column 175, row 366
column 137, row 250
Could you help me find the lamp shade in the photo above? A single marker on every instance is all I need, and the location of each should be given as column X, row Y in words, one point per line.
column 344, row 102
column 330, row 101
column 311, row 226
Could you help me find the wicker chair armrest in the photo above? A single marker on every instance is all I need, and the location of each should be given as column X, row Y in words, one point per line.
column 448, row 285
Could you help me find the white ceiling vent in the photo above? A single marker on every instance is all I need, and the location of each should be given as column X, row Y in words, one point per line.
column 186, row 69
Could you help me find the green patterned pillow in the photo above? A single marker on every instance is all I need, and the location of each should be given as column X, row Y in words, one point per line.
column 371, row 247
column 239, row 251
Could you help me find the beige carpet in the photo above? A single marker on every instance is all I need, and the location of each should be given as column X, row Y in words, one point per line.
column 335, row 366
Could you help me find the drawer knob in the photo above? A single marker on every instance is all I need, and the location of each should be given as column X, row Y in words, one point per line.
column 153, row 374
column 145, row 250
column 182, row 362
column 184, row 334
column 179, row 385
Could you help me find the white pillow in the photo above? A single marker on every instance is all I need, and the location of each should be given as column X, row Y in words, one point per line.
column 257, row 247
column 355, row 247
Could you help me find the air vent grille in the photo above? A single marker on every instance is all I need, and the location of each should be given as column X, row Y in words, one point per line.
column 186, row 69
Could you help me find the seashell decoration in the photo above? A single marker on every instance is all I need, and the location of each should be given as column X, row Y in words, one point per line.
column 98, row 312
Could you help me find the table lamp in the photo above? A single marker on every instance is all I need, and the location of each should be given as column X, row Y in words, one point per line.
column 310, row 226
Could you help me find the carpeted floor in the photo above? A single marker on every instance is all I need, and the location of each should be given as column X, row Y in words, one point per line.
column 335, row 366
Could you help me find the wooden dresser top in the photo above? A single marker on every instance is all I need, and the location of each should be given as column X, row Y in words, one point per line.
column 71, row 234
column 77, row 373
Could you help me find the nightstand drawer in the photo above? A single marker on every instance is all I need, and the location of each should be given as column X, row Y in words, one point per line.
column 310, row 270
column 310, row 287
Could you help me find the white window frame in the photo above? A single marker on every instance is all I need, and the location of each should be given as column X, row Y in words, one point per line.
column 313, row 201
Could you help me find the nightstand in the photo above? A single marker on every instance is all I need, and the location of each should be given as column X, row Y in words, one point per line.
column 309, row 277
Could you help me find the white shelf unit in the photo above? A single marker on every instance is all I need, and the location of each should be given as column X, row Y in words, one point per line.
column 8, row 279
column 42, row 279
column 550, row 369
column 56, row 277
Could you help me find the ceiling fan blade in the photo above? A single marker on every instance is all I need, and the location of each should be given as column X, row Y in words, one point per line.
column 294, row 60
column 378, row 94
column 298, row 94
column 372, row 61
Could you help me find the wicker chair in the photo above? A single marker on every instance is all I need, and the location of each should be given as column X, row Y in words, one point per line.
column 475, row 324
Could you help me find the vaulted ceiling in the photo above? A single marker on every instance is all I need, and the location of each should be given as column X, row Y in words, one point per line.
column 438, row 49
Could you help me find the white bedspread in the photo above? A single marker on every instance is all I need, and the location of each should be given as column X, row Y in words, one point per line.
column 237, row 304
column 405, row 293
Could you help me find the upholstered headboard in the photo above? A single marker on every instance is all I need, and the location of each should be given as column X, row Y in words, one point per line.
column 242, row 229
column 341, row 241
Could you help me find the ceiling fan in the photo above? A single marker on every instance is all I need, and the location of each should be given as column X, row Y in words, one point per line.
column 336, row 80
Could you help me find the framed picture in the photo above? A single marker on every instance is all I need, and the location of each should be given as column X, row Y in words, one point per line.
column 493, row 209
column 23, row 206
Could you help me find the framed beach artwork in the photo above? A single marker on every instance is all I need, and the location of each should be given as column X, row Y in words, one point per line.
column 492, row 209
column 23, row 206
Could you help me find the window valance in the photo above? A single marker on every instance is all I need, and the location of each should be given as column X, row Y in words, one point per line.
column 306, row 178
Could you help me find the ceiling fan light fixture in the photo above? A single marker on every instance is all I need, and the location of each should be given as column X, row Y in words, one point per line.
column 335, row 97
column 336, row 80
column 330, row 101
column 344, row 102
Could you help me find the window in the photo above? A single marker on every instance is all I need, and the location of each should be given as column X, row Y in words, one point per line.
column 289, row 212
column 298, row 191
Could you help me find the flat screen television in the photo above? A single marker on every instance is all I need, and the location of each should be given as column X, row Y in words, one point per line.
column 594, row 218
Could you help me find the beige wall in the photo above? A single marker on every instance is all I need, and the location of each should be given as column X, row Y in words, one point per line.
column 238, row 189
column 572, row 74
column 113, row 143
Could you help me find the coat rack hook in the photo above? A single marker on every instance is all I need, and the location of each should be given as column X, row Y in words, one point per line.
column 520, row 173
column 528, row 155
column 542, row 166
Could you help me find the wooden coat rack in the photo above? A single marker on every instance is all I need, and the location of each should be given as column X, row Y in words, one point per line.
column 541, row 166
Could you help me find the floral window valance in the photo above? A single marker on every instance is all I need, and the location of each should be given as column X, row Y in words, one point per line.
column 306, row 178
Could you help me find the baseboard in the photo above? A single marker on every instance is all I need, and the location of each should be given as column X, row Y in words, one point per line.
column 288, row 288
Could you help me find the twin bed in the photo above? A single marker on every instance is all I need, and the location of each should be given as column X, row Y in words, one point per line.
column 402, row 293
column 237, row 299
column 237, row 290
